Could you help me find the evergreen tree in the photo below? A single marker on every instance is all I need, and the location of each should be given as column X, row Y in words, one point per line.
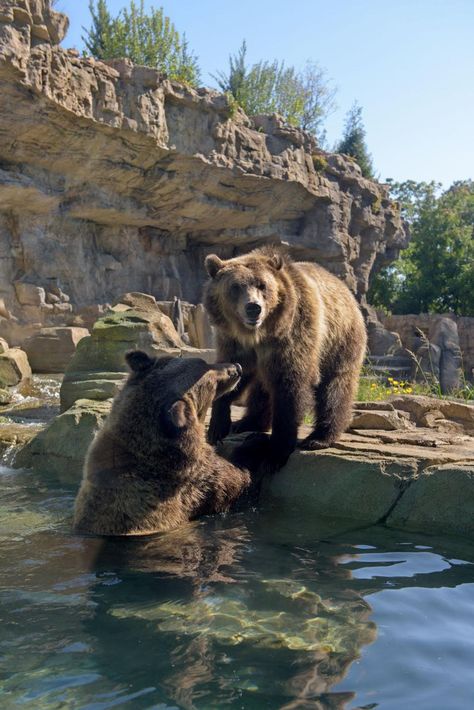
column 353, row 141
column 149, row 39
column 98, row 37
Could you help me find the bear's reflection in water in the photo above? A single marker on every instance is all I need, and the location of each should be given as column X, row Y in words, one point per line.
column 211, row 619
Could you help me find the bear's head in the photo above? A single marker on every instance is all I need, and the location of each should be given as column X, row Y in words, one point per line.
column 246, row 290
column 166, row 399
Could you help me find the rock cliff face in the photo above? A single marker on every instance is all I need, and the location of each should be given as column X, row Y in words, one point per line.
column 113, row 178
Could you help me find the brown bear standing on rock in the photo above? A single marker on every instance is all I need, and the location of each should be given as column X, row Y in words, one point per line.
column 299, row 335
column 150, row 469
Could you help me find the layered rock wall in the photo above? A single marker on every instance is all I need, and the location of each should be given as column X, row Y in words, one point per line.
column 114, row 178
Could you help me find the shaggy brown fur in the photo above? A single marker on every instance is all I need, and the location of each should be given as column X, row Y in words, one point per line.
column 299, row 335
column 150, row 469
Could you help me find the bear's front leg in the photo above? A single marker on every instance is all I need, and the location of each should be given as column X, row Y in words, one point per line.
column 288, row 411
column 221, row 421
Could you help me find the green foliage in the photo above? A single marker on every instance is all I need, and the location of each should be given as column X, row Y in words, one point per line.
column 148, row 39
column 303, row 98
column 320, row 163
column 436, row 272
column 353, row 141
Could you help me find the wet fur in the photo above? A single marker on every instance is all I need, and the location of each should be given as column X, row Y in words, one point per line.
column 150, row 469
column 307, row 353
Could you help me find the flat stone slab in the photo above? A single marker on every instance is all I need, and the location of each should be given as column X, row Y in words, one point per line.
column 414, row 477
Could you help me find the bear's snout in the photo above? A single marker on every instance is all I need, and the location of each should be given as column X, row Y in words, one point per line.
column 234, row 371
column 253, row 310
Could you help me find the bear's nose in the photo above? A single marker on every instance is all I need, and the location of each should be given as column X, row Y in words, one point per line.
column 253, row 309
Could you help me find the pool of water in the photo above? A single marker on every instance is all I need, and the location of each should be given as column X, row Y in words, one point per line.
column 251, row 610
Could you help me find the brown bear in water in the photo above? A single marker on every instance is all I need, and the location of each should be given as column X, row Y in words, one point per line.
column 150, row 469
column 299, row 335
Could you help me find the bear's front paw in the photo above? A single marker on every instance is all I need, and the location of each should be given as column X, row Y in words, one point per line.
column 313, row 444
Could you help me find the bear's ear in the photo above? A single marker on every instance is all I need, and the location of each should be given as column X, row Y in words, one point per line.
column 177, row 414
column 213, row 264
column 276, row 261
column 138, row 361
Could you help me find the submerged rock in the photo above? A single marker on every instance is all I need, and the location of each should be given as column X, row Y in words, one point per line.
column 292, row 617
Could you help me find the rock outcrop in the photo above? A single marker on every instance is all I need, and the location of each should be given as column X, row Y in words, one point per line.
column 407, row 462
column 114, row 178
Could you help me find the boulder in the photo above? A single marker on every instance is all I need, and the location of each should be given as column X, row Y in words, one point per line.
column 98, row 367
column 3, row 346
column 60, row 449
column 29, row 294
column 52, row 348
column 382, row 341
column 380, row 419
column 14, row 367
column 436, row 413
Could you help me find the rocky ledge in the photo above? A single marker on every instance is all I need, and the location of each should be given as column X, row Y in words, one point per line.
column 407, row 463
column 114, row 178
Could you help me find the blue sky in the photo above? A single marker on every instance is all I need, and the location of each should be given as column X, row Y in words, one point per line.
column 409, row 63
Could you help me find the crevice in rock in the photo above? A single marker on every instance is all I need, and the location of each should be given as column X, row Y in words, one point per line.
column 403, row 488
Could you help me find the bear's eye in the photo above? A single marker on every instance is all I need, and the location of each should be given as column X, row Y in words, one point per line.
column 235, row 290
column 261, row 286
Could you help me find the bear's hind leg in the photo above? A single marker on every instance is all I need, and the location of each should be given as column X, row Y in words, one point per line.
column 259, row 411
column 334, row 400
